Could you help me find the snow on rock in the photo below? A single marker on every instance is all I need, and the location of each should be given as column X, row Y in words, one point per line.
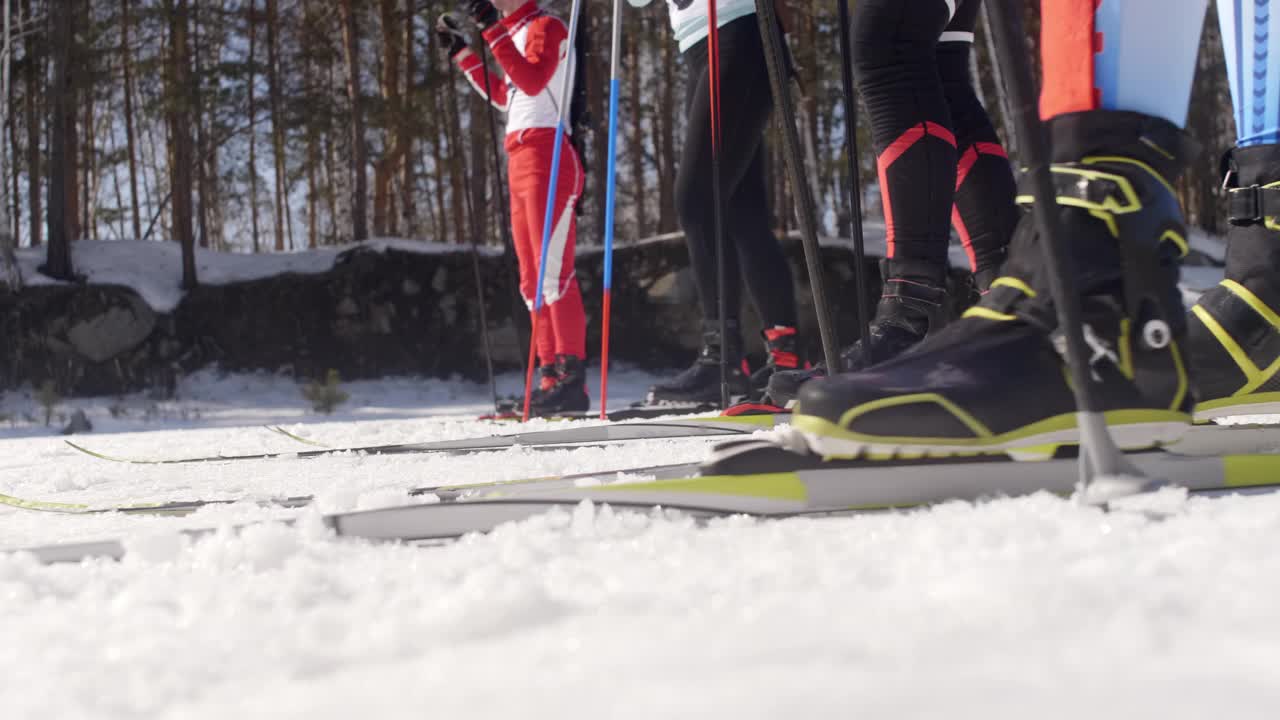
column 154, row 269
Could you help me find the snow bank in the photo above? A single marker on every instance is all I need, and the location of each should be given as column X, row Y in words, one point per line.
column 154, row 269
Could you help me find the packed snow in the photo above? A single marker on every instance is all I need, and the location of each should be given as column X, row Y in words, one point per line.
column 1012, row 608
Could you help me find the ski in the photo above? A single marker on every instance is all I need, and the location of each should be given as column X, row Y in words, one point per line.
column 1201, row 441
column 535, row 440
column 442, row 493
column 634, row 412
column 753, row 479
column 293, row 436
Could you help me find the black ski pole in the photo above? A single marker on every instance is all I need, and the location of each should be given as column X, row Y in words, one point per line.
column 997, row 77
column 1100, row 459
column 504, row 227
column 484, row 313
column 855, row 173
column 771, row 34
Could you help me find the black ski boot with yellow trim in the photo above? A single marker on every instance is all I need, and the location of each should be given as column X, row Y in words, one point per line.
column 1233, row 338
column 996, row 380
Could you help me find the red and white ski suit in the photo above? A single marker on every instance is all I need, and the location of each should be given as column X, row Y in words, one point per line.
column 533, row 49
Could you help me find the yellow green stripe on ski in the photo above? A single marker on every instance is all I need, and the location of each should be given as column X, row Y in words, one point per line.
column 293, row 436
column 983, row 440
column 767, row 486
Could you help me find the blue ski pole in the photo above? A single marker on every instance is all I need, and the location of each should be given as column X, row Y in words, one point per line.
column 549, row 218
column 611, row 196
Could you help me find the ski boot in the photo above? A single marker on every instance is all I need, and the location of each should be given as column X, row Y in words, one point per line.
column 567, row 394
column 995, row 380
column 548, row 376
column 782, row 345
column 1234, row 334
column 700, row 384
column 910, row 308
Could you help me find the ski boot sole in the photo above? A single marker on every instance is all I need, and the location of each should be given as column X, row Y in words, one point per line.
column 1132, row 430
column 1244, row 405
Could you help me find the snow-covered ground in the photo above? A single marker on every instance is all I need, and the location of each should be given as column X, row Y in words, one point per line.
column 1006, row 609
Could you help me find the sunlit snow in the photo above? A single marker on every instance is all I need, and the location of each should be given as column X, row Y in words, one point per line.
column 1023, row 608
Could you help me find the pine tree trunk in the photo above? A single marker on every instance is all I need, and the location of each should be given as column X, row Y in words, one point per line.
column 359, row 150
column 277, row 120
column 126, row 59
column 89, row 164
column 252, row 15
column 457, row 167
column 34, row 70
column 638, row 185
column 408, row 206
column 62, row 125
column 667, row 220
column 178, row 85
column 197, row 110
column 480, row 172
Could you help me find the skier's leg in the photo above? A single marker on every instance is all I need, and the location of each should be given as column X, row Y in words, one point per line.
column 694, row 205
column 526, row 177
column 746, row 102
column 762, row 262
column 895, row 65
column 1234, row 341
column 985, row 214
column 765, row 270
column 562, row 323
column 560, row 290
column 994, row 381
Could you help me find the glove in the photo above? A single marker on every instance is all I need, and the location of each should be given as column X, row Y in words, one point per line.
column 482, row 11
column 449, row 33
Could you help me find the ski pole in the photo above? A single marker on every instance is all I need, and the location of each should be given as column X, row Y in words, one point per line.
column 611, row 192
column 549, row 218
column 1099, row 457
column 508, row 246
column 997, row 77
column 774, row 49
column 713, row 88
column 484, row 313
column 504, row 229
column 855, row 174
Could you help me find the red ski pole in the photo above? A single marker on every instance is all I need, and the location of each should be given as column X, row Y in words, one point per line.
column 713, row 87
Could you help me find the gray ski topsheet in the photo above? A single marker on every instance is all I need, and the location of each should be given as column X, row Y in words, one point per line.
column 820, row 490
column 540, row 439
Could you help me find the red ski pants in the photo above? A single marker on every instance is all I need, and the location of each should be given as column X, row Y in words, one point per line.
column 562, row 324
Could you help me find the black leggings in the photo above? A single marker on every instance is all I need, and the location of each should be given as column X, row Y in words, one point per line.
column 912, row 65
column 752, row 253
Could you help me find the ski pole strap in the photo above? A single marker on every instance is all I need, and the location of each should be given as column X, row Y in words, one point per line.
column 1253, row 205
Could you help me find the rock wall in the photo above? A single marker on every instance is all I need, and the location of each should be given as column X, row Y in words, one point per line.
column 377, row 312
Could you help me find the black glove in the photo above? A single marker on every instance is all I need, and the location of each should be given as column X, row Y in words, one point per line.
column 482, row 11
column 449, row 33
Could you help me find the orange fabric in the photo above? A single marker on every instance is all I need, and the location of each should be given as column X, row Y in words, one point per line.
column 1068, row 44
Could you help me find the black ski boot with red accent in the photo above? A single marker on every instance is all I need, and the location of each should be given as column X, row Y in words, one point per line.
column 782, row 345
column 1234, row 334
column 700, row 384
column 567, row 394
column 995, row 380
column 911, row 307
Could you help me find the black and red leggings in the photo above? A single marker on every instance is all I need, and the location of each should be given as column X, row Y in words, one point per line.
column 940, row 160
